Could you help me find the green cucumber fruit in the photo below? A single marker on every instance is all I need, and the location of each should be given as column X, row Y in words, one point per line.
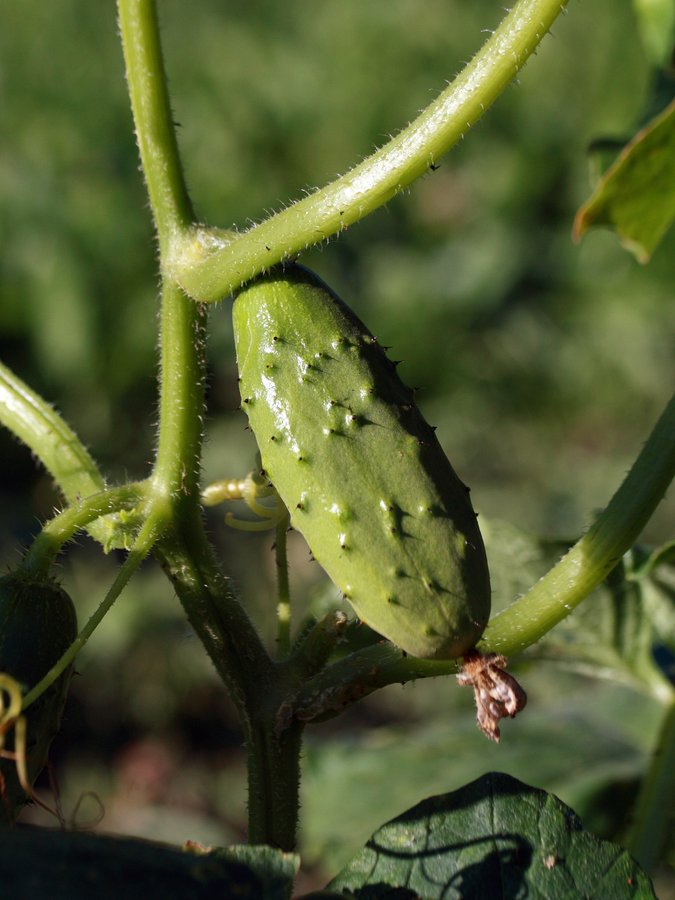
column 362, row 474
column 37, row 625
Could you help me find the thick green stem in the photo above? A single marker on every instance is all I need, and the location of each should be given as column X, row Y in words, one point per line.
column 176, row 472
column 182, row 333
column 152, row 116
column 210, row 266
column 214, row 612
column 654, row 820
column 273, row 785
column 256, row 686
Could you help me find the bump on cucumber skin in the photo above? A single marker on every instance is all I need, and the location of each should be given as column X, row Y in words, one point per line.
column 37, row 625
column 361, row 472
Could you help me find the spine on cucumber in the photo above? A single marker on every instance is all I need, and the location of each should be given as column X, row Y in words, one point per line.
column 362, row 474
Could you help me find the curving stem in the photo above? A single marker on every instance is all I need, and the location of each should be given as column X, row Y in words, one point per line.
column 210, row 265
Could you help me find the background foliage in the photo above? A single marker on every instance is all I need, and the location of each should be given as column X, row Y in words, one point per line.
column 544, row 364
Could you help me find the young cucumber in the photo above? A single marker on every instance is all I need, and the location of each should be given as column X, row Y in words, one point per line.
column 362, row 474
column 37, row 625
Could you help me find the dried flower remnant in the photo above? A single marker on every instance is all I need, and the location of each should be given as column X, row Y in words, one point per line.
column 497, row 693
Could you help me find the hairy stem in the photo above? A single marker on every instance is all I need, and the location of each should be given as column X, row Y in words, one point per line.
column 182, row 375
column 35, row 422
column 252, row 679
column 214, row 612
column 211, row 266
column 273, row 785
column 62, row 527
column 155, row 132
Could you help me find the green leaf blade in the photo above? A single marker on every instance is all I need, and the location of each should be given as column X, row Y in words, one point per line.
column 636, row 196
column 495, row 837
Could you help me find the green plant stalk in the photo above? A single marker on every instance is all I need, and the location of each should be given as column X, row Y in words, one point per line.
column 182, row 371
column 176, row 470
column 155, row 132
column 546, row 604
column 175, row 477
column 142, row 546
column 274, row 784
column 214, row 612
column 209, row 266
column 59, row 530
column 654, row 816
column 39, row 426
column 252, row 680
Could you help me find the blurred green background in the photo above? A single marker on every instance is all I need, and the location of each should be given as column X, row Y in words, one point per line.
column 543, row 364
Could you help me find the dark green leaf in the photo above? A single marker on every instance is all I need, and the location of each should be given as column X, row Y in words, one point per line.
column 636, row 196
column 576, row 738
column 276, row 870
column 494, row 838
column 37, row 863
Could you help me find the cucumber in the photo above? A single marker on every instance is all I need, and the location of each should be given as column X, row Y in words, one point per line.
column 362, row 474
column 37, row 625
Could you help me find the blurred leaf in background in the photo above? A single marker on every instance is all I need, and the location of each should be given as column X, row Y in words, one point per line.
column 636, row 196
column 656, row 22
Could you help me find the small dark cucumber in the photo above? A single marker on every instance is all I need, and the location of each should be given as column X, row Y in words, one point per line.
column 37, row 625
column 362, row 474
